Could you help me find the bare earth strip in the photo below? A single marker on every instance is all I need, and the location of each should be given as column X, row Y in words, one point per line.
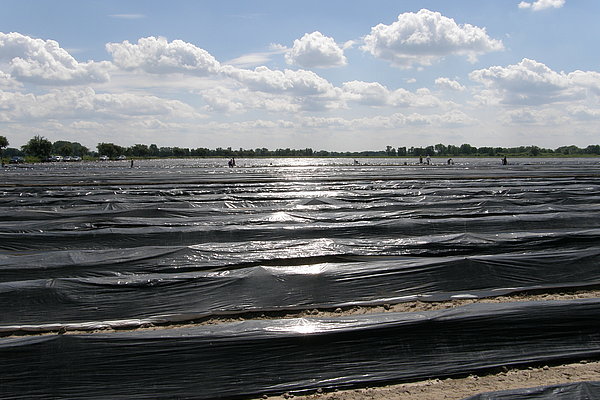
column 461, row 388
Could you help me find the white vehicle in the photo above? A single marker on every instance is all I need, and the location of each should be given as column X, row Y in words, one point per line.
column 103, row 158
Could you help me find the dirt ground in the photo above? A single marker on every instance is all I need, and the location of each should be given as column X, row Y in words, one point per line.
column 462, row 388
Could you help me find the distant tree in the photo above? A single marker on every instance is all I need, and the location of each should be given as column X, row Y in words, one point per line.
column 139, row 150
column 65, row 148
column 466, row 149
column 38, row 146
column 110, row 149
column 402, row 151
column 153, row 150
column 534, row 151
column 181, row 152
column 440, row 149
column 62, row 148
column 593, row 149
column 3, row 144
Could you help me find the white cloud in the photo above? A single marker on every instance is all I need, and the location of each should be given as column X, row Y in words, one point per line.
column 532, row 83
column 44, row 62
column 86, row 103
column 446, row 83
column 425, row 37
column 539, row 5
column 533, row 116
column 299, row 82
column 314, row 50
column 369, row 93
column 221, row 99
column 583, row 113
column 259, row 58
column 375, row 94
column 157, row 55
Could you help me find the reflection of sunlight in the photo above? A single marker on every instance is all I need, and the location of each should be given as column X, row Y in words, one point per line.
column 312, row 248
column 314, row 269
column 302, row 325
column 283, row 217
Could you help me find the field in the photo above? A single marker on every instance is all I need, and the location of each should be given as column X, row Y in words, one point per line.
column 186, row 278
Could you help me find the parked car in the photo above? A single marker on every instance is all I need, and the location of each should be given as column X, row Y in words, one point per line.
column 17, row 160
column 55, row 158
column 121, row 157
column 75, row 158
column 103, row 158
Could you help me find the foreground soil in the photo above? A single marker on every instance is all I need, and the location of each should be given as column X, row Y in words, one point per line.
column 462, row 388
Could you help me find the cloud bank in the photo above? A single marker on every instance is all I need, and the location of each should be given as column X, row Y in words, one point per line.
column 420, row 39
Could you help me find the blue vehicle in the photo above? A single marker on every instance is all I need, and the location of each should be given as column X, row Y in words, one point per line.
column 17, row 160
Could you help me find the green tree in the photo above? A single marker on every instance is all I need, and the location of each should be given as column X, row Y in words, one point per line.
column 65, row 148
column 153, row 150
column 139, row 150
column 39, row 147
column 110, row 149
column 440, row 149
column 3, row 144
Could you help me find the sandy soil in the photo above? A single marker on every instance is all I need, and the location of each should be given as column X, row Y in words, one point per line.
column 436, row 389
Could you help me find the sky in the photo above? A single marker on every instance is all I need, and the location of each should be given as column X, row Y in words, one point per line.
column 337, row 75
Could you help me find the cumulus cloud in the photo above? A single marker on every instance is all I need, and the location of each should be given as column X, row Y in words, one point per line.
column 369, row 93
column 300, row 82
column 425, row 37
column 157, row 55
column 375, row 94
column 314, row 50
column 44, row 62
column 539, row 5
column 445, row 83
column 532, row 83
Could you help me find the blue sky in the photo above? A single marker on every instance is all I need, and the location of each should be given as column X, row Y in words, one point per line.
column 333, row 75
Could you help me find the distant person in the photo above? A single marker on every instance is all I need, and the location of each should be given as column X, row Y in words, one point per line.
column 428, row 159
column 450, row 161
column 131, row 166
column 420, row 159
column 504, row 161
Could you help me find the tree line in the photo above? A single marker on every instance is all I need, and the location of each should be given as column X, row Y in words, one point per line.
column 41, row 149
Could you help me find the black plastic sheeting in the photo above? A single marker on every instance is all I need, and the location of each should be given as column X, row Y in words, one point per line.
column 254, row 356
column 86, row 303
column 571, row 391
column 94, row 245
